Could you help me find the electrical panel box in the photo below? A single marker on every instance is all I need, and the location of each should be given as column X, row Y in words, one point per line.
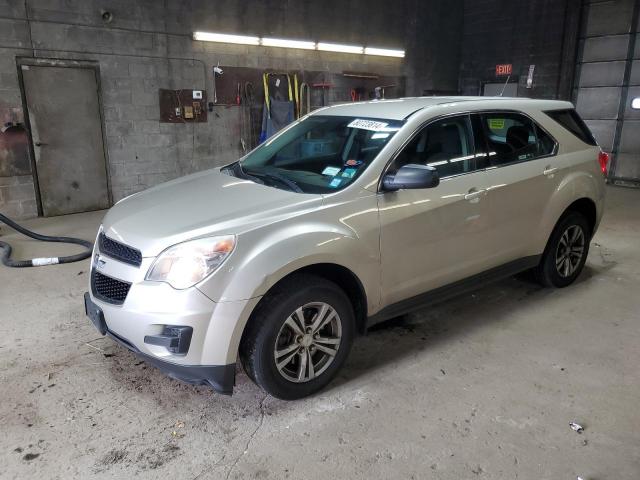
column 183, row 106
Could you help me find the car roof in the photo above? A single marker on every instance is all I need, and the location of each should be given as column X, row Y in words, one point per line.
column 402, row 108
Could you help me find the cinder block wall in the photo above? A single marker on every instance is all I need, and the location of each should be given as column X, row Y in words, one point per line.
column 543, row 33
column 148, row 46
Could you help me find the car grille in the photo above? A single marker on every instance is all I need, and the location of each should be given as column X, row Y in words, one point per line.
column 109, row 289
column 118, row 251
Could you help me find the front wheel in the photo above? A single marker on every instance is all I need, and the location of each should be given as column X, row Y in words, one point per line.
column 299, row 337
column 566, row 252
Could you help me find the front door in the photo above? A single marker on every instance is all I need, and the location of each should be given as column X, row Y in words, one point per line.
column 436, row 236
column 66, row 131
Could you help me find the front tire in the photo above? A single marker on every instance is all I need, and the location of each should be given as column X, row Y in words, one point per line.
column 299, row 337
column 566, row 251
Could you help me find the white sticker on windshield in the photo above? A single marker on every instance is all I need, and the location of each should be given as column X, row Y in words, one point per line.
column 368, row 125
column 333, row 171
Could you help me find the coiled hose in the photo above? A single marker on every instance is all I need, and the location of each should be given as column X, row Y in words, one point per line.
column 5, row 248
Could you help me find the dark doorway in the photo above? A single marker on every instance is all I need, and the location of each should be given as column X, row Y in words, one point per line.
column 501, row 89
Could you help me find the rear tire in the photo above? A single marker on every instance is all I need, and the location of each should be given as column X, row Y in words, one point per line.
column 566, row 251
column 299, row 337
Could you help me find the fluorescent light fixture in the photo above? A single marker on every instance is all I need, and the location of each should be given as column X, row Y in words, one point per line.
column 336, row 47
column 225, row 38
column 384, row 52
column 284, row 43
column 635, row 103
column 300, row 44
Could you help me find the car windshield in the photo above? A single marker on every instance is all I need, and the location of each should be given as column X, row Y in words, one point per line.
column 319, row 154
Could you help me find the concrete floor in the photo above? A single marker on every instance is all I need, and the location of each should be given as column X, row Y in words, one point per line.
column 480, row 387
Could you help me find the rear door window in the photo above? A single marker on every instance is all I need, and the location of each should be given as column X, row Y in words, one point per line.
column 513, row 138
column 570, row 120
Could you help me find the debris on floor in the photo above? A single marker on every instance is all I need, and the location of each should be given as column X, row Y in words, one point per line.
column 576, row 427
column 176, row 433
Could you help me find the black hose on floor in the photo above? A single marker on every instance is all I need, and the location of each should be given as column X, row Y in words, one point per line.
column 5, row 248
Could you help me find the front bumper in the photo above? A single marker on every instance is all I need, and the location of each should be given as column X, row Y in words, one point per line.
column 219, row 377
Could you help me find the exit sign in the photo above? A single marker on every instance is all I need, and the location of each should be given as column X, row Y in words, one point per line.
column 504, row 69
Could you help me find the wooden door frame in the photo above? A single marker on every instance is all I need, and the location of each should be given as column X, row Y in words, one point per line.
column 64, row 63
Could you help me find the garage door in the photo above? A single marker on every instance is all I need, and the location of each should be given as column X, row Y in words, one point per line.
column 609, row 80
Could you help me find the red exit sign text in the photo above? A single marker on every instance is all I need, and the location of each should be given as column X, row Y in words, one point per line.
column 505, row 69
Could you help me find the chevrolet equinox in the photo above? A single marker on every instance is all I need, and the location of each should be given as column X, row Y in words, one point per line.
column 352, row 215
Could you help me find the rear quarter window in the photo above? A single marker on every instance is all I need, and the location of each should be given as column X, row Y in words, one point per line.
column 570, row 120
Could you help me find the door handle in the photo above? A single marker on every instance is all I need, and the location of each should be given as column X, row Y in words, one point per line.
column 549, row 170
column 474, row 194
column 40, row 144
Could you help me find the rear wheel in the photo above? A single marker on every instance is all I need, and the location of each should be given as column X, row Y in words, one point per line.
column 566, row 252
column 299, row 337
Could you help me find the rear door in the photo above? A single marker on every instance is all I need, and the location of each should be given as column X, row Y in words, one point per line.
column 436, row 236
column 522, row 174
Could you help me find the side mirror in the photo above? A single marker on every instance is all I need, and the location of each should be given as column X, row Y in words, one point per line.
column 411, row 176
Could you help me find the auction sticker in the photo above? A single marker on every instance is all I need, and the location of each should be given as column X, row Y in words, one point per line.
column 332, row 171
column 349, row 172
column 368, row 125
column 496, row 123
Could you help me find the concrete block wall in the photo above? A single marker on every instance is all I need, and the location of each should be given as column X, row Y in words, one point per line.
column 148, row 46
column 17, row 196
column 521, row 33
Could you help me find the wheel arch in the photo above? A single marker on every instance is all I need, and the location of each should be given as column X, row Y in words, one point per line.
column 579, row 191
column 587, row 207
column 343, row 277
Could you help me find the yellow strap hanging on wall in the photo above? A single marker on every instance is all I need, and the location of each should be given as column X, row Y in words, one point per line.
column 265, row 81
column 297, row 95
column 289, row 85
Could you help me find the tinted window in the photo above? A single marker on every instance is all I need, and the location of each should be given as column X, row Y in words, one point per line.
column 570, row 120
column 512, row 137
column 446, row 145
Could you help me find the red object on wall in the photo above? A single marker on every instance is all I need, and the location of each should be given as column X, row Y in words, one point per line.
column 504, row 69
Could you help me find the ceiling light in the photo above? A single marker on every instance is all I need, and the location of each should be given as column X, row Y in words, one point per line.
column 336, row 47
column 384, row 52
column 635, row 103
column 284, row 43
column 225, row 38
column 300, row 44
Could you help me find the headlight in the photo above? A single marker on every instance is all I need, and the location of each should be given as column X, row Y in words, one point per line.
column 185, row 264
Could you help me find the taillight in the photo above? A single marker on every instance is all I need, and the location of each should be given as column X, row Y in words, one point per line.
column 603, row 160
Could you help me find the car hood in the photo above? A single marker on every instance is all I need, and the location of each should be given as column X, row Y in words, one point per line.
column 206, row 203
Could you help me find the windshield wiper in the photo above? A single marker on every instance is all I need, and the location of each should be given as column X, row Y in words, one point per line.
column 293, row 186
column 239, row 172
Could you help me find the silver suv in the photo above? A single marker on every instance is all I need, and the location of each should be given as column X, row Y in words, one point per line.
column 355, row 214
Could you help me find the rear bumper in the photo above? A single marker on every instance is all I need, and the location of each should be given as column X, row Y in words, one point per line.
column 219, row 377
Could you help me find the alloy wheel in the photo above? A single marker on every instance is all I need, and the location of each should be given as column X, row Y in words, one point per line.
column 570, row 251
column 308, row 342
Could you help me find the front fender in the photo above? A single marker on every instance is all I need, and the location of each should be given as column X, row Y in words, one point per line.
column 344, row 234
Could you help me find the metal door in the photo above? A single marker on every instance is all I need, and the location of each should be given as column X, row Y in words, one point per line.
column 500, row 89
column 66, row 131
